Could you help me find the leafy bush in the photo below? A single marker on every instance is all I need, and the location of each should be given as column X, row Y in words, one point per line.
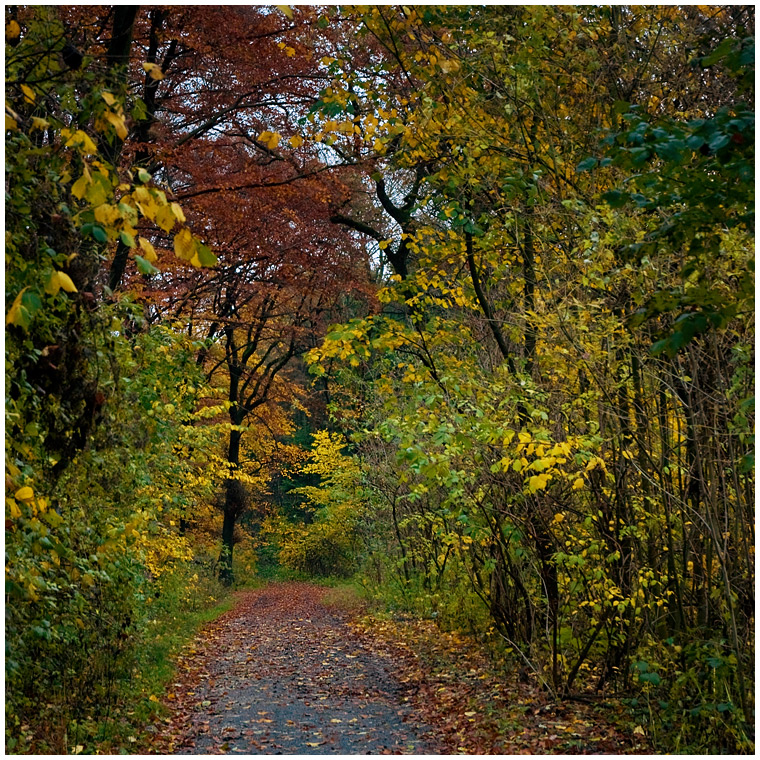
column 689, row 696
column 327, row 546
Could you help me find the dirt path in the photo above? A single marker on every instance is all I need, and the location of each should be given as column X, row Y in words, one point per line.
column 282, row 674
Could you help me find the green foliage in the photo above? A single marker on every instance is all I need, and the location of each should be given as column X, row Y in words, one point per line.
column 87, row 559
column 688, row 700
column 701, row 184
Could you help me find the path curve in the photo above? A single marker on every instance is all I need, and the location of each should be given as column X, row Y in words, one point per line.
column 281, row 673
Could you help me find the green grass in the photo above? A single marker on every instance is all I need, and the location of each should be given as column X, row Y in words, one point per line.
column 346, row 596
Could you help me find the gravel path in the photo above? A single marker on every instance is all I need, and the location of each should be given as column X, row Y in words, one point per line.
column 282, row 674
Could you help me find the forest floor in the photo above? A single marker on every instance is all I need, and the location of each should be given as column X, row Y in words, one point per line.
column 289, row 671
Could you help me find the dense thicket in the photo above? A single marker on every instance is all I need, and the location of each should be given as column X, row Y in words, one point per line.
column 532, row 231
column 554, row 409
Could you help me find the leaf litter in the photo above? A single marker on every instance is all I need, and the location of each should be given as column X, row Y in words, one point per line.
column 280, row 673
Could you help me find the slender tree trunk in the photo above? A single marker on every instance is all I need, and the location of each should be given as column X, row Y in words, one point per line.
column 232, row 508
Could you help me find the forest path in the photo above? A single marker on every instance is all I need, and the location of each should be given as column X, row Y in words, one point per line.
column 280, row 673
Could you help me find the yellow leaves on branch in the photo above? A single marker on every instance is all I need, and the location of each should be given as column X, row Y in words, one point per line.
column 79, row 139
column 188, row 248
column 25, row 498
column 538, row 482
column 109, row 207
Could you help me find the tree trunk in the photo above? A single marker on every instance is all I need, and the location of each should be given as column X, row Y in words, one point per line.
column 232, row 510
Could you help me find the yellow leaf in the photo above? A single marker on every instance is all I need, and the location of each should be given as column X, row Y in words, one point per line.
column 79, row 188
column 108, row 97
column 153, row 698
column 60, row 281
column 66, row 282
column 538, row 482
column 38, row 123
column 184, row 245
column 578, row 484
column 29, row 94
column 107, row 214
column 179, row 214
column 118, row 123
column 13, row 508
column 286, row 9
column 296, row 141
column 24, row 494
column 96, row 193
column 12, row 30
column 145, row 203
column 148, row 250
column 165, row 218
column 141, row 194
column 270, row 139
column 82, row 139
column 14, row 314
column 290, row 52
column 153, row 70
column 11, row 124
